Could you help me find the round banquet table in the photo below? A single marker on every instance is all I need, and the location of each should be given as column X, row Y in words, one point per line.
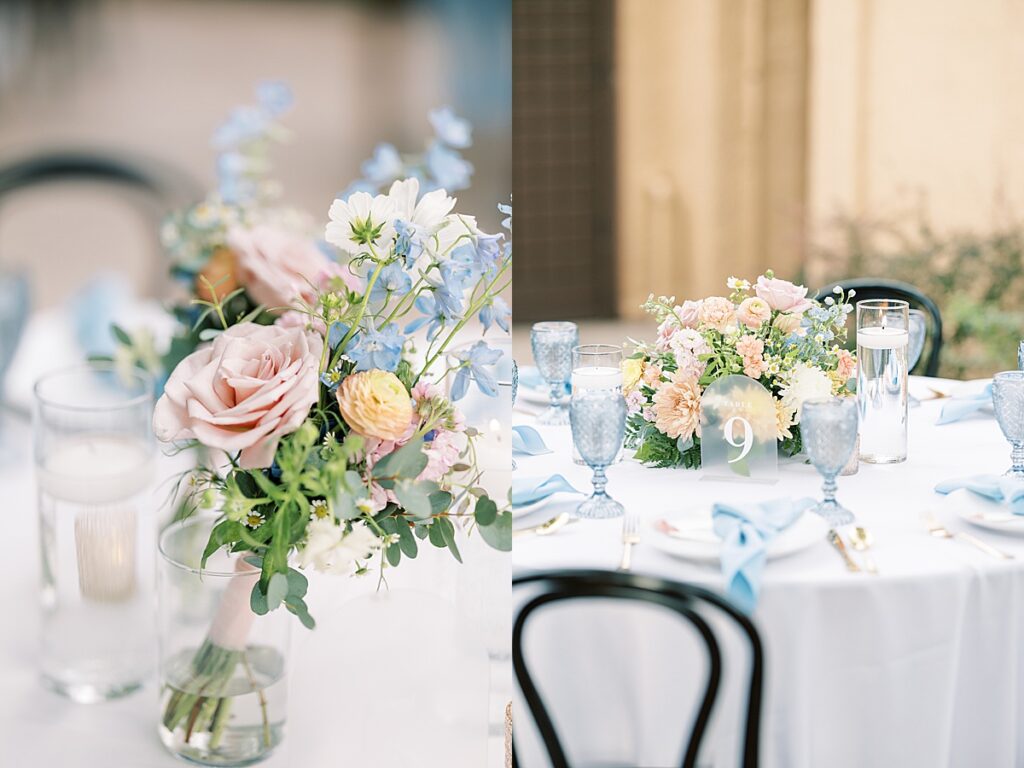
column 917, row 666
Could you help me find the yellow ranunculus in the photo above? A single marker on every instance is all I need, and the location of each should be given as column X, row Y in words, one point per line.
column 376, row 404
column 632, row 370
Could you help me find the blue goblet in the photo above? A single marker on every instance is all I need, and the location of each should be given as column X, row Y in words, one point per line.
column 515, row 391
column 1008, row 403
column 829, row 431
column 552, row 344
column 598, row 421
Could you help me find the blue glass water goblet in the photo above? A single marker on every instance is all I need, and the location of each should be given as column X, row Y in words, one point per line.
column 515, row 391
column 598, row 421
column 1008, row 402
column 552, row 344
column 829, row 431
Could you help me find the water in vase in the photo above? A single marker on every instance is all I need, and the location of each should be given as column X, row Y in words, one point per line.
column 882, row 394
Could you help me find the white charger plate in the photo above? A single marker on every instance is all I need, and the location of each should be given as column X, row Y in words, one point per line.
column 982, row 512
column 703, row 546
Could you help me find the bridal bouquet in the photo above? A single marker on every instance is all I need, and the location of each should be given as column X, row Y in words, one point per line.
column 314, row 389
column 770, row 332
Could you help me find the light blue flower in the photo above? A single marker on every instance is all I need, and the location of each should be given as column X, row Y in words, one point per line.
column 507, row 210
column 394, row 279
column 243, row 124
column 449, row 287
column 476, row 363
column 407, row 245
column 385, row 166
column 448, row 169
column 337, row 332
column 275, row 96
column 378, row 348
column 432, row 314
column 496, row 311
column 451, row 129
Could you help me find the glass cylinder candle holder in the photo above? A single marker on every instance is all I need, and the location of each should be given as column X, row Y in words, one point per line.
column 596, row 366
column 222, row 668
column 94, row 459
column 882, row 367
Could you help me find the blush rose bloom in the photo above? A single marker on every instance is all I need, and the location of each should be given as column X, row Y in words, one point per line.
column 689, row 313
column 782, row 295
column 718, row 313
column 244, row 392
column 847, row 366
column 277, row 267
column 376, row 404
column 754, row 312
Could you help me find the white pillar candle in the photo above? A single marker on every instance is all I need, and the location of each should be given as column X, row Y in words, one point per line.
column 596, row 377
column 882, row 338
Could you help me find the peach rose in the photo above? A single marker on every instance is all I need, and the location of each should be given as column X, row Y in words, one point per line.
column 847, row 365
column 250, row 387
column 376, row 404
column 782, row 295
column 718, row 313
column 277, row 267
column 754, row 312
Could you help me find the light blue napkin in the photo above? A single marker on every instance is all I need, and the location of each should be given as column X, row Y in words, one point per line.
column 744, row 530
column 526, row 441
column 998, row 488
column 530, row 378
column 527, row 490
column 93, row 309
column 958, row 407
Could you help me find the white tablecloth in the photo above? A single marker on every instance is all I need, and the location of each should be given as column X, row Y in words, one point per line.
column 919, row 666
column 346, row 703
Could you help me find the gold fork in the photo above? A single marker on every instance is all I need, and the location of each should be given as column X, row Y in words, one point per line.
column 939, row 531
column 630, row 537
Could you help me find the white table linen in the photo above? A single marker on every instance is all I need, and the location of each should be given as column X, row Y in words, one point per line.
column 917, row 667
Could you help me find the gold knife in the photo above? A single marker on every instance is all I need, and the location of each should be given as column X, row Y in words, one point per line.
column 837, row 542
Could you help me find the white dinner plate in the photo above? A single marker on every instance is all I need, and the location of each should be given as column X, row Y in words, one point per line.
column 977, row 510
column 703, row 546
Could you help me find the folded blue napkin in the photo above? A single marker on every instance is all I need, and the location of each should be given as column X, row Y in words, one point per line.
column 744, row 530
column 958, row 407
column 526, row 441
column 998, row 488
column 530, row 378
column 527, row 490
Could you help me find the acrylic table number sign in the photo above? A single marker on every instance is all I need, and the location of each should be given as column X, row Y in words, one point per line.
column 738, row 431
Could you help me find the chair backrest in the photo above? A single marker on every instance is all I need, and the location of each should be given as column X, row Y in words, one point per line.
column 688, row 601
column 868, row 288
column 164, row 187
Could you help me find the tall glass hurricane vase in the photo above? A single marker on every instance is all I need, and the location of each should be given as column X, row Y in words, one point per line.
column 552, row 344
column 94, row 458
column 223, row 689
column 1008, row 403
column 883, row 339
column 598, row 420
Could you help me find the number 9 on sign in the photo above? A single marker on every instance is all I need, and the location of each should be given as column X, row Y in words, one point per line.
column 729, row 433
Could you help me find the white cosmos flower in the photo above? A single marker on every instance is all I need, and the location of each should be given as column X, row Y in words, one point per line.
column 426, row 215
column 361, row 220
column 330, row 550
column 805, row 383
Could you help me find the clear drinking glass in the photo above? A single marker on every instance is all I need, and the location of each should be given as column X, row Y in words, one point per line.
column 596, row 366
column 94, row 459
column 552, row 343
column 882, row 341
column 598, row 420
column 829, row 431
column 1008, row 402
column 223, row 682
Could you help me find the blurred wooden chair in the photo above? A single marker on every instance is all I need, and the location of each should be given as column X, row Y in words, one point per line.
column 868, row 288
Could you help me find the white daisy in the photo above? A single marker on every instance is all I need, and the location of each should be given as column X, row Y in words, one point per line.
column 360, row 221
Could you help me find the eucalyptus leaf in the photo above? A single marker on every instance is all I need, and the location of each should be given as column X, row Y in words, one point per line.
column 486, row 511
column 413, row 499
column 394, row 554
column 448, row 532
column 297, row 584
column 408, row 461
column 499, row 534
column 406, row 540
column 277, row 590
column 258, row 601
column 440, row 501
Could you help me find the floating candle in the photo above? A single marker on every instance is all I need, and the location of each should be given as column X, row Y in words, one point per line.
column 596, row 377
column 882, row 338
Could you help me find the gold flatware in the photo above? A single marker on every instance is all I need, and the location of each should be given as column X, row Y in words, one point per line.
column 937, row 394
column 837, row 542
column 548, row 527
column 861, row 540
column 630, row 538
column 939, row 531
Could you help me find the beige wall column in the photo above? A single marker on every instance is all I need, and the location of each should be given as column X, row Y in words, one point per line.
column 711, row 143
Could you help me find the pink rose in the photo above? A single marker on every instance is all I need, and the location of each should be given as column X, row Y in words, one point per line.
column 782, row 295
column 718, row 313
column 277, row 267
column 689, row 313
column 666, row 331
column 250, row 387
column 754, row 312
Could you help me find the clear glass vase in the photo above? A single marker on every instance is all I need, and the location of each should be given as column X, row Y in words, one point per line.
column 223, row 682
column 94, row 461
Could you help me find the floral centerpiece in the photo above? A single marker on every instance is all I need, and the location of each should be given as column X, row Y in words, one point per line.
column 769, row 331
column 311, row 376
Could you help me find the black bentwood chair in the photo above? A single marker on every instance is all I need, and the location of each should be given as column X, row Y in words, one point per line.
column 868, row 288
column 690, row 602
